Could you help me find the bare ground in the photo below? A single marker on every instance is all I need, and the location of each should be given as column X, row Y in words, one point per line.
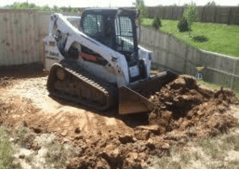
column 184, row 112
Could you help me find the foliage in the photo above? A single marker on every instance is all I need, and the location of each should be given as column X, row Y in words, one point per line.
column 212, row 3
column 72, row 10
column 156, row 23
column 140, row 6
column 45, row 8
column 190, row 14
column 200, row 38
column 183, row 25
column 56, row 9
column 26, row 5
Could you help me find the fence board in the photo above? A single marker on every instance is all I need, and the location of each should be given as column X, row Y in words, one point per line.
column 14, row 39
column 24, row 39
column 9, row 39
column 181, row 9
column 37, row 39
column 2, row 39
column 5, row 40
column 235, row 16
column 31, row 30
column 17, row 27
column 174, row 12
column 34, row 39
column 28, row 38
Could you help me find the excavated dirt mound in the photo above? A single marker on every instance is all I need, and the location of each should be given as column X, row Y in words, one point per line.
column 105, row 140
column 184, row 107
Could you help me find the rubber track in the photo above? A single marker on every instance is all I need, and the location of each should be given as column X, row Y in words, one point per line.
column 109, row 90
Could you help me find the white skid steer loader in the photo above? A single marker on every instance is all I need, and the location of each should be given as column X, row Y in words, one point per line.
column 95, row 60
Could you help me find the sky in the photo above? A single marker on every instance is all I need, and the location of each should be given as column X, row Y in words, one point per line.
column 117, row 3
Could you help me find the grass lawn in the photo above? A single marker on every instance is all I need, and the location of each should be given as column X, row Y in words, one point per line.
column 219, row 38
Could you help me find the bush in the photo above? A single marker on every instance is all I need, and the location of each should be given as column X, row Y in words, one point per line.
column 156, row 23
column 183, row 25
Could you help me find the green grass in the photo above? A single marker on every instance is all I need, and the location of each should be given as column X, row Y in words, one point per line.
column 219, row 38
column 6, row 151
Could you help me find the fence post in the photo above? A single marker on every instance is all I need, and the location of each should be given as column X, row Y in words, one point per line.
column 164, row 13
column 230, row 17
column 202, row 19
column 215, row 12
column 234, row 71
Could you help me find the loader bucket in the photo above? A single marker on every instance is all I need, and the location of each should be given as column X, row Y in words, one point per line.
column 133, row 102
column 136, row 99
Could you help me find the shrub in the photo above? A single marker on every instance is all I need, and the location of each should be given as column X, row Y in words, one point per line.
column 183, row 25
column 156, row 23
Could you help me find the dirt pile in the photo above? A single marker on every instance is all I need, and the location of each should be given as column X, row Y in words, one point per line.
column 184, row 107
column 183, row 111
column 113, row 146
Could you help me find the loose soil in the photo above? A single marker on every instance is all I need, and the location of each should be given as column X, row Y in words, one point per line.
column 183, row 111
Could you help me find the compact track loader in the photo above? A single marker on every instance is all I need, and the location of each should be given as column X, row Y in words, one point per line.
column 95, row 60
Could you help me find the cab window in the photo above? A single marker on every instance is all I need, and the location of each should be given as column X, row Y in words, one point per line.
column 92, row 24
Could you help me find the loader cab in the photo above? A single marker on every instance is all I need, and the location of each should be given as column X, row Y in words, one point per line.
column 114, row 28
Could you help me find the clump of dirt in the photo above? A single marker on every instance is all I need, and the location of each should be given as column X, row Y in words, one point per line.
column 184, row 107
column 5, row 81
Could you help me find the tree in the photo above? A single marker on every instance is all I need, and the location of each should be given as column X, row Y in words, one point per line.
column 140, row 6
column 25, row 5
column 32, row 6
column 56, row 9
column 45, row 8
column 213, row 3
column 190, row 14
column 72, row 10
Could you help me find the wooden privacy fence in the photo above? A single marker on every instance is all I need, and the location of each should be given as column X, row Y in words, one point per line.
column 21, row 35
column 171, row 53
column 214, row 14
